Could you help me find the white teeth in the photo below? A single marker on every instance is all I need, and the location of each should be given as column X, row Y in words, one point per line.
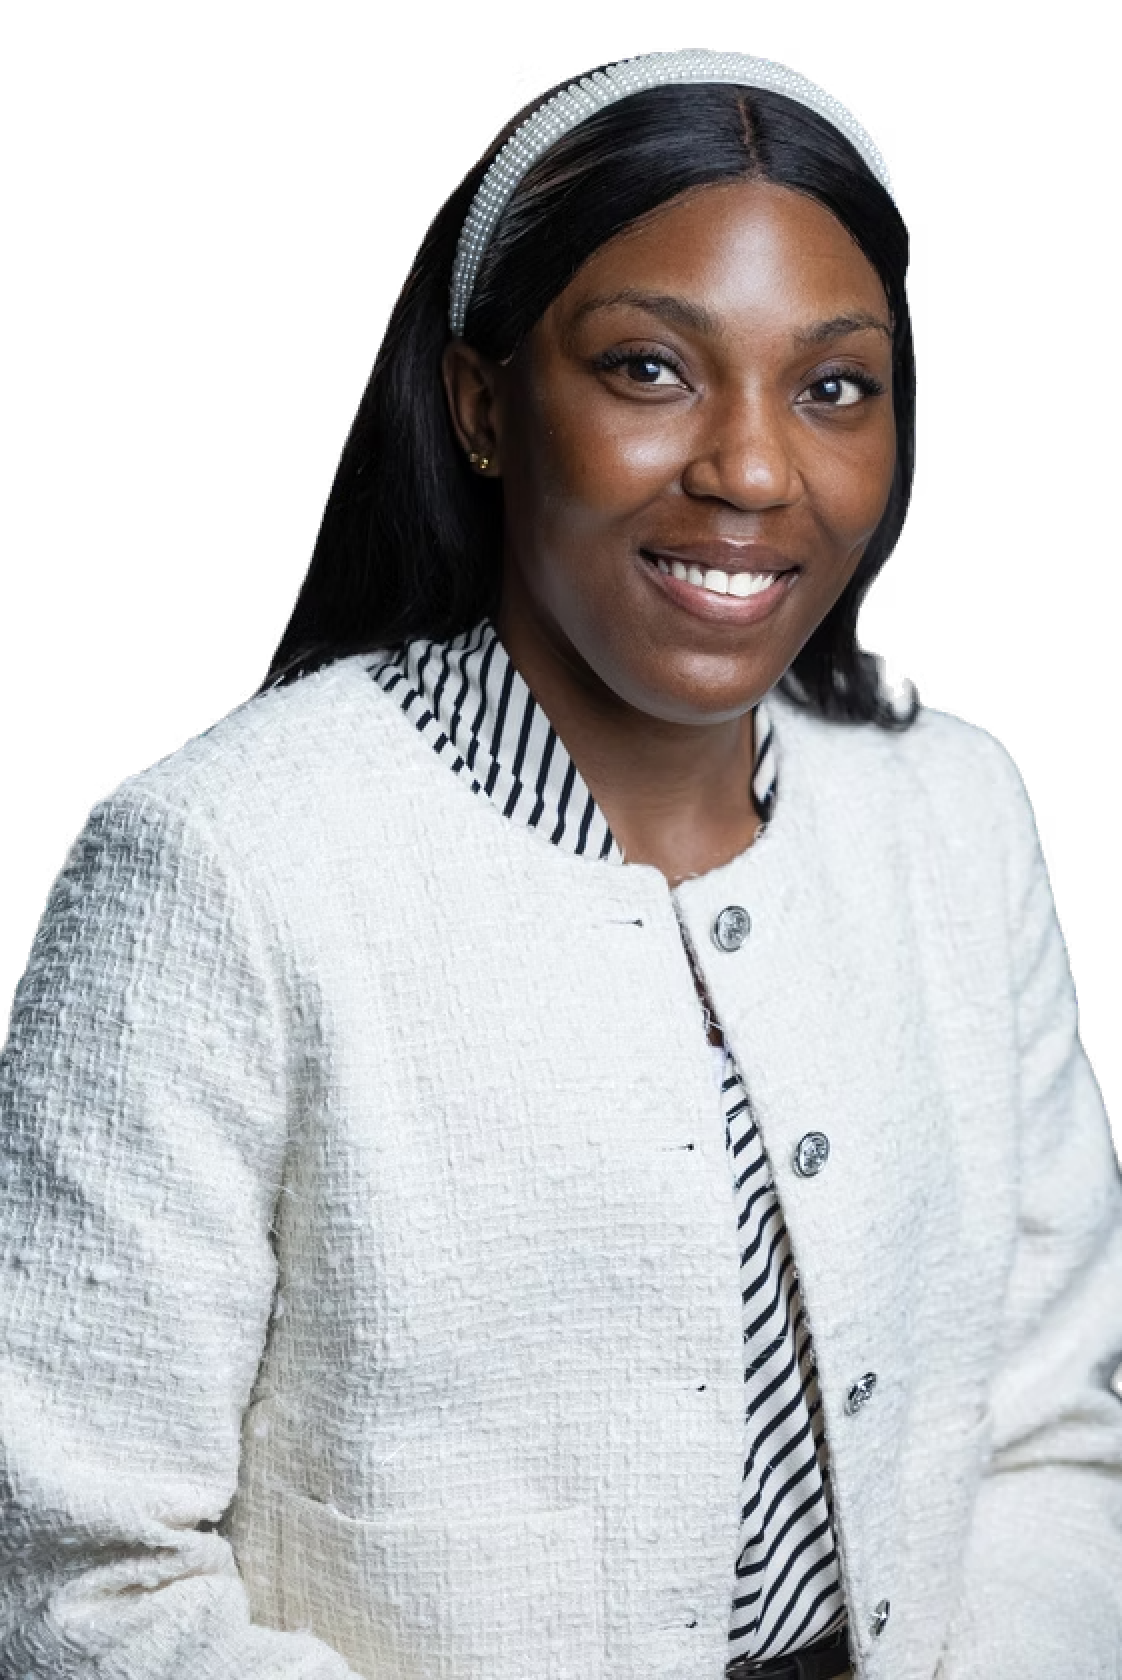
column 750, row 583
column 740, row 584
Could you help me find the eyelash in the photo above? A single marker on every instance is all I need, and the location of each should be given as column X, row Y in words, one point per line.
column 610, row 360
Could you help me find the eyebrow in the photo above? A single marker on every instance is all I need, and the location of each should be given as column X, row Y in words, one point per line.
column 679, row 311
column 694, row 317
column 840, row 326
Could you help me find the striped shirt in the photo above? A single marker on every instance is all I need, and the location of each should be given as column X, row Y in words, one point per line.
column 477, row 713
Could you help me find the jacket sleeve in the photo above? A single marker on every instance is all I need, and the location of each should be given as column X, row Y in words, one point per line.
column 142, row 1132
column 1042, row 1577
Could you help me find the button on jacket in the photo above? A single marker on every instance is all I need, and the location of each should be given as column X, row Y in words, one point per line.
column 353, row 1291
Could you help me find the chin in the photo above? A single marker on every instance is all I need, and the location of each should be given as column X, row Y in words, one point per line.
column 698, row 696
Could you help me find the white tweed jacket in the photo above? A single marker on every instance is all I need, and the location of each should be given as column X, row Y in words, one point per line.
column 363, row 1315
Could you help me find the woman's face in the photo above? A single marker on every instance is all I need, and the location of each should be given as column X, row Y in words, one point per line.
column 695, row 443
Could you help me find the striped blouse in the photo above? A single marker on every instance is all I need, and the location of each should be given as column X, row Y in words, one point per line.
column 477, row 713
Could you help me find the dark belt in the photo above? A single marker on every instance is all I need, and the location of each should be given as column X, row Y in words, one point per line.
column 818, row 1662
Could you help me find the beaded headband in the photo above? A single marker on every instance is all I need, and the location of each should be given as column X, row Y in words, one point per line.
column 571, row 106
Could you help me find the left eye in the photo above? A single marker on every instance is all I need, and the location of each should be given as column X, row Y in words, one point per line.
column 837, row 390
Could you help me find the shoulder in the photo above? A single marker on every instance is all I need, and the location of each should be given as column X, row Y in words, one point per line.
column 326, row 748
column 943, row 783
column 941, row 800
column 294, row 783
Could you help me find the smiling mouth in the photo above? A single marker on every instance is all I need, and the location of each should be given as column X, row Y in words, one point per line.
column 714, row 581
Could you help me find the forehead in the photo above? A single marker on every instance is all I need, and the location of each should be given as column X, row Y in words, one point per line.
column 741, row 247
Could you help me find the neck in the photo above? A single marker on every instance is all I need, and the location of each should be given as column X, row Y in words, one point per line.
column 676, row 795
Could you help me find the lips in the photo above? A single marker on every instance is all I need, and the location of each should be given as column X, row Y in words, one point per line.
column 737, row 582
column 739, row 570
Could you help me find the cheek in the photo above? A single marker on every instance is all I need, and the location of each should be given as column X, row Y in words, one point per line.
column 854, row 487
column 588, row 459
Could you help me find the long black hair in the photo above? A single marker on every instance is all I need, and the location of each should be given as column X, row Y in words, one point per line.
column 411, row 539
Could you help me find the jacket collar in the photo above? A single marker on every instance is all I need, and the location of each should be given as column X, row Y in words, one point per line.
column 474, row 708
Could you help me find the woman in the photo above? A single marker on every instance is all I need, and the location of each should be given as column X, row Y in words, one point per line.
column 424, row 1082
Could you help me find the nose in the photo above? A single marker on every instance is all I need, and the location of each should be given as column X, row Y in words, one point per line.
column 744, row 454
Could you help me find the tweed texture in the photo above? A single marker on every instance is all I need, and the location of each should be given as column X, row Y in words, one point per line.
column 473, row 707
column 364, row 1315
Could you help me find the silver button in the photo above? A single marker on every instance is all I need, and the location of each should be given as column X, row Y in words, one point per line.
column 861, row 1391
column 731, row 927
column 811, row 1154
column 878, row 1621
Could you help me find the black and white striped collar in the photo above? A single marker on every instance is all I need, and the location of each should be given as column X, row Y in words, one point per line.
column 476, row 711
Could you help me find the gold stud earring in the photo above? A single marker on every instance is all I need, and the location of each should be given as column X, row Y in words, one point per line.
column 480, row 462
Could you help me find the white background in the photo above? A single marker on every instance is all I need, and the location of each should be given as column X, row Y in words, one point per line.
column 208, row 210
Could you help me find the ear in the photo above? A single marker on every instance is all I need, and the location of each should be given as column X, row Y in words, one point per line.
column 470, row 381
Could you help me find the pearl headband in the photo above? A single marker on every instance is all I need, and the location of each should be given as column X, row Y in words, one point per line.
column 571, row 106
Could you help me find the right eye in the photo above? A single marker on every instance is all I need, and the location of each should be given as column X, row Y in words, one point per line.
column 642, row 367
column 650, row 370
